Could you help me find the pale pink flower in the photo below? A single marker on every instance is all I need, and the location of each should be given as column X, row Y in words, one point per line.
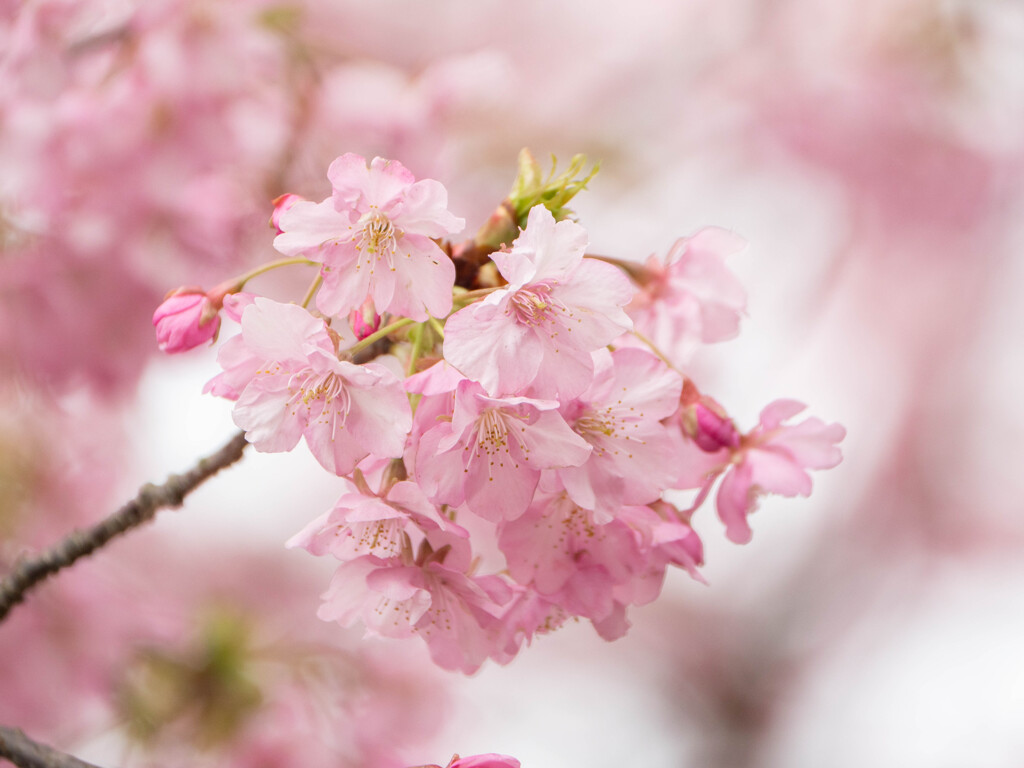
column 185, row 320
column 558, row 550
column 666, row 538
column 528, row 614
column 773, row 458
column 536, row 334
column 489, row 760
column 382, row 525
column 491, row 453
column 634, row 457
column 375, row 238
column 456, row 614
column 289, row 383
column 692, row 298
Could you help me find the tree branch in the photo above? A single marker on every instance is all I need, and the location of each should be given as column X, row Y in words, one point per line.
column 139, row 510
column 22, row 751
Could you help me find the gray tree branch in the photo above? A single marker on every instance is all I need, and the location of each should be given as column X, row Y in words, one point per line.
column 26, row 753
column 79, row 543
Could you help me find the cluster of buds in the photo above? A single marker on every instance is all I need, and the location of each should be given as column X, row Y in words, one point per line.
column 508, row 416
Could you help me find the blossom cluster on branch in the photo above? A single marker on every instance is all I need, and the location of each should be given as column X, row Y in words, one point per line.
column 508, row 416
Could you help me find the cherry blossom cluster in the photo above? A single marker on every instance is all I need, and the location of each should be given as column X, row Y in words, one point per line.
column 507, row 416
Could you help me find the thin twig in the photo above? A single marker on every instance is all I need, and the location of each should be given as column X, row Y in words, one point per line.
column 139, row 510
column 26, row 753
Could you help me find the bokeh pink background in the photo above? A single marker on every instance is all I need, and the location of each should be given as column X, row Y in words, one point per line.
column 871, row 155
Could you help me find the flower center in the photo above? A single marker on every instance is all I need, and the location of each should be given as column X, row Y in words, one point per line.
column 592, row 423
column 377, row 235
column 533, row 304
column 492, row 438
column 608, row 431
column 329, row 390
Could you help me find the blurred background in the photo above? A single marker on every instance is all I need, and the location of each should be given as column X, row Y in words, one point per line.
column 871, row 154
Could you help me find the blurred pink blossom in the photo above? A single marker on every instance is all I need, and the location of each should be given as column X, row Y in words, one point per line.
column 773, row 458
column 691, row 298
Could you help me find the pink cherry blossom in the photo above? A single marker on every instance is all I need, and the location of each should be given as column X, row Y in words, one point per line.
column 692, row 298
column 665, row 538
column 634, row 457
column 535, row 335
column 561, row 552
column 375, row 238
column 455, row 613
column 491, row 453
column 380, row 525
column 773, row 458
column 289, row 383
column 490, row 760
column 185, row 320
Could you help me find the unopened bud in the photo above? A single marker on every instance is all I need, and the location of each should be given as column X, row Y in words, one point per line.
column 187, row 318
column 282, row 204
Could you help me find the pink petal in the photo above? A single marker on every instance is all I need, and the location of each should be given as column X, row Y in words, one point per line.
column 424, row 277
column 282, row 332
column 776, row 471
column 425, row 211
column 266, row 416
column 734, row 503
column 307, row 225
column 779, row 411
column 550, row 443
column 486, row 345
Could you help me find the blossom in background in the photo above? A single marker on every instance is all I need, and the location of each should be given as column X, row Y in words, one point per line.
column 284, row 372
column 774, row 458
column 456, row 613
column 691, row 298
column 489, row 760
column 374, row 238
column 535, row 335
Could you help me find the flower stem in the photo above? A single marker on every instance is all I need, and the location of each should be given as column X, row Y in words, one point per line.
column 243, row 279
column 313, row 288
column 378, row 335
column 470, row 296
column 417, row 349
column 654, row 348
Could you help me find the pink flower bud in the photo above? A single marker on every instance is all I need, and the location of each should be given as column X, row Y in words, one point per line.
column 365, row 320
column 713, row 431
column 186, row 319
column 282, row 204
